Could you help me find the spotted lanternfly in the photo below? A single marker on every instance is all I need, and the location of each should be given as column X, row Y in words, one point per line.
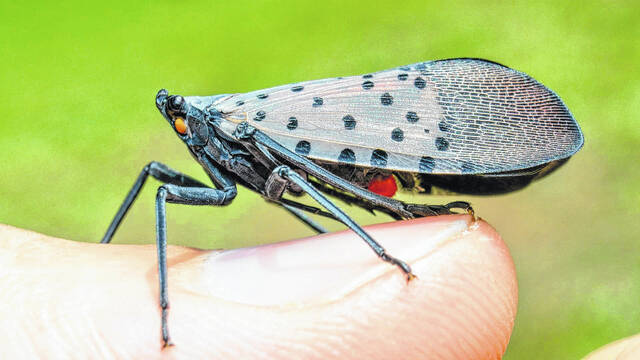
column 469, row 126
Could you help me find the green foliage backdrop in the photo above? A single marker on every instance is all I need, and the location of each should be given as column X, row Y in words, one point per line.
column 78, row 80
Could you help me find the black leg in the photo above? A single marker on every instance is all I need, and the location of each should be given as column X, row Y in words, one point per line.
column 418, row 210
column 284, row 172
column 352, row 200
column 305, row 219
column 431, row 210
column 158, row 171
column 180, row 195
column 307, row 208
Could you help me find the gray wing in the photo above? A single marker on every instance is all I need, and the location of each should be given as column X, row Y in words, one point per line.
column 449, row 117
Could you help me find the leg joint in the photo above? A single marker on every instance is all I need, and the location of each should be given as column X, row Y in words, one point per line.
column 153, row 167
column 229, row 194
column 282, row 171
column 162, row 193
column 164, row 304
column 277, row 183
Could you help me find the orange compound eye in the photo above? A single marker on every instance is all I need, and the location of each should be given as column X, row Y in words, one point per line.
column 181, row 127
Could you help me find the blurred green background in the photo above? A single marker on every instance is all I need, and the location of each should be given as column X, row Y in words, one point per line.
column 78, row 81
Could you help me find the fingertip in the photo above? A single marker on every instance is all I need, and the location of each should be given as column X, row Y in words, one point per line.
column 320, row 297
column 624, row 349
column 464, row 302
column 330, row 295
column 468, row 296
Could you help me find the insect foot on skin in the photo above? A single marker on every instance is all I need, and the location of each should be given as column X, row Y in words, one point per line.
column 467, row 126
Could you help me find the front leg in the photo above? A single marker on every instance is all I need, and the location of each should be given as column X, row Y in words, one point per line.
column 159, row 171
column 188, row 196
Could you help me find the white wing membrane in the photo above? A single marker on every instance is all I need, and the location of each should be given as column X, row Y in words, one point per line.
column 449, row 117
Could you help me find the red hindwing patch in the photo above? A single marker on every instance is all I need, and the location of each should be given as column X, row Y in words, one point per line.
column 385, row 186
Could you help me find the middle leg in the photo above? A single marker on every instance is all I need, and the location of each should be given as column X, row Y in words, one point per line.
column 283, row 174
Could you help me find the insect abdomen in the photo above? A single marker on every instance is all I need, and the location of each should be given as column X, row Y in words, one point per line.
column 487, row 184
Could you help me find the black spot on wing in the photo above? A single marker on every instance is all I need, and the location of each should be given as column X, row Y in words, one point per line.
column 262, row 96
column 412, row 117
column 293, row 123
column 260, row 115
column 367, row 85
column 349, row 122
column 297, row 88
column 379, row 158
column 397, row 135
column 317, row 101
column 347, row 156
column 426, row 164
column 303, row 148
column 386, row 99
column 239, row 103
column 367, row 76
column 420, row 83
column 403, row 77
column 442, row 144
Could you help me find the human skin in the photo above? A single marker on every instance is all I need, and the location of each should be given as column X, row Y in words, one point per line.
column 322, row 297
column 623, row 349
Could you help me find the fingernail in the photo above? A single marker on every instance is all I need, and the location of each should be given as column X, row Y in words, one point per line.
column 319, row 269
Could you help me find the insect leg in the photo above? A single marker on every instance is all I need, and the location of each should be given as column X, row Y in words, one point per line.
column 305, row 219
column 188, row 196
column 352, row 200
column 284, row 172
column 307, row 208
column 418, row 210
column 262, row 155
column 157, row 170
column 431, row 210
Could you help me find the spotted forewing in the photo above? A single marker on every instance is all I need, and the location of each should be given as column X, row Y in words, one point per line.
column 449, row 116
